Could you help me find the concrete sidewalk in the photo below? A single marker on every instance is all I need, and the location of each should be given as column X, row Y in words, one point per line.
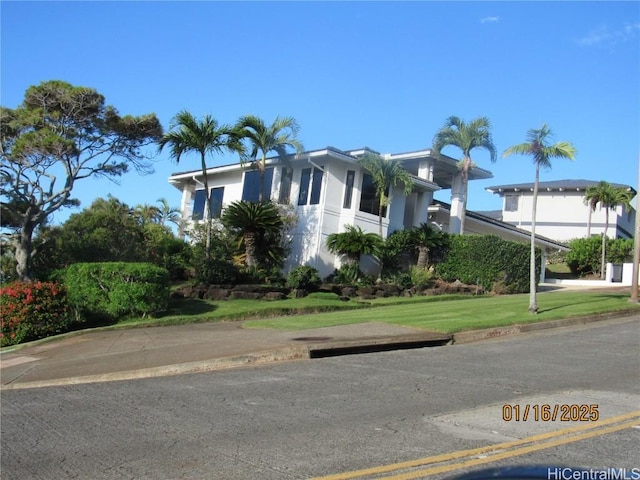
column 107, row 355
column 123, row 354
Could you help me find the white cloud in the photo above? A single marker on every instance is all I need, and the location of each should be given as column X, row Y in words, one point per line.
column 605, row 36
column 489, row 19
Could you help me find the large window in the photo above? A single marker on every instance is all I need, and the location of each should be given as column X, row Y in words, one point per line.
column 348, row 188
column 216, row 203
column 369, row 201
column 251, row 186
column 511, row 203
column 310, row 181
column 198, row 205
column 285, row 185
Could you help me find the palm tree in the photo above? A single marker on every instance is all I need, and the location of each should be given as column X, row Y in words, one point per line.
column 353, row 243
column 609, row 197
column 542, row 153
column 277, row 137
column 146, row 213
column 167, row 213
column 457, row 133
column 204, row 136
column 386, row 174
column 425, row 238
column 253, row 221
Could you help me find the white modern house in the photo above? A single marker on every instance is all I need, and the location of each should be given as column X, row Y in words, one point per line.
column 561, row 213
column 328, row 190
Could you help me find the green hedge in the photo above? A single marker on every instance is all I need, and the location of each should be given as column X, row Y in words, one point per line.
column 99, row 291
column 487, row 260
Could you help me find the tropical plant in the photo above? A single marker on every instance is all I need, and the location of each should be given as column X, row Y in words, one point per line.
column 425, row 238
column 262, row 139
column 466, row 137
column 167, row 213
column 204, row 136
column 353, row 243
column 386, row 175
column 542, row 153
column 608, row 197
column 146, row 213
column 254, row 222
column 61, row 134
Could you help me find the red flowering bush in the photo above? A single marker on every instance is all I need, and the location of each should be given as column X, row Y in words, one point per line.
column 32, row 310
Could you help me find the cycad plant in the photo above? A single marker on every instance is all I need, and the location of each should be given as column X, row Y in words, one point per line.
column 253, row 222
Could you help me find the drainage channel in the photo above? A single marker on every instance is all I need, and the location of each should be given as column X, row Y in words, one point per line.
column 336, row 349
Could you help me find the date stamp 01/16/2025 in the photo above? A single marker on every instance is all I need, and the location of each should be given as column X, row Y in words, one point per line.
column 542, row 412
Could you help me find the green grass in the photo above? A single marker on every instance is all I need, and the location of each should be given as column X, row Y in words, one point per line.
column 457, row 315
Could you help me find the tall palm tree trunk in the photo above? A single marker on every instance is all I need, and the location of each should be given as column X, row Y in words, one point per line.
column 207, row 208
column 465, row 185
column 533, row 298
column 603, row 261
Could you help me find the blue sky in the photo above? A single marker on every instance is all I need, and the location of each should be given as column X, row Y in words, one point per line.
column 380, row 74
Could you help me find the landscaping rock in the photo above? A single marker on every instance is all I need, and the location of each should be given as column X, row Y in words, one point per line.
column 274, row 296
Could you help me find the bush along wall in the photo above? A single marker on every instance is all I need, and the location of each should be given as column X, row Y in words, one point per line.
column 32, row 310
column 101, row 292
column 495, row 264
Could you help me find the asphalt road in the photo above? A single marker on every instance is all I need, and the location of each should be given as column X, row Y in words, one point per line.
column 328, row 416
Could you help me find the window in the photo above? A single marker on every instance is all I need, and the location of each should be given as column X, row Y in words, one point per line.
column 285, row 185
column 310, row 182
column 348, row 189
column 369, row 201
column 316, row 186
column 198, row 205
column 251, row 187
column 216, row 201
column 510, row 203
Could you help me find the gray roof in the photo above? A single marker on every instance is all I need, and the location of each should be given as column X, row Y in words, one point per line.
column 577, row 185
column 495, row 214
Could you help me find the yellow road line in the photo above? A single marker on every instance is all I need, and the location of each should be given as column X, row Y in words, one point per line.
column 477, row 451
column 511, row 453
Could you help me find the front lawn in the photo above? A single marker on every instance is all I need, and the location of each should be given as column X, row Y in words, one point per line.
column 457, row 314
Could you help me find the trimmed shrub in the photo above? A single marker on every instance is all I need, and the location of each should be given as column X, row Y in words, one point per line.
column 216, row 272
column 487, row 259
column 305, row 277
column 109, row 291
column 31, row 311
column 586, row 253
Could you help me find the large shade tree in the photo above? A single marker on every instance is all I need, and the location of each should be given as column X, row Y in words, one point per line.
column 60, row 134
column 281, row 135
column 386, row 175
column 465, row 136
column 538, row 147
column 608, row 197
column 204, row 137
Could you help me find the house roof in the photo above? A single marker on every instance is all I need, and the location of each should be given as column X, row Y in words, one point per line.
column 554, row 185
column 540, row 240
column 445, row 168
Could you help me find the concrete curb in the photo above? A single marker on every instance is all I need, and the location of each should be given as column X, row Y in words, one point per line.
column 498, row 332
column 251, row 359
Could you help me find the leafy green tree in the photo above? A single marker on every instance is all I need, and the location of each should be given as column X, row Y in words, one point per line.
column 386, row 175
column 608, row 197
column 542, row 153
column 253, row 222
column 353, row 243
column 205, row 136
column 425, row 238
column 61, row 134
column 263, row 138
column 146, row 213
column 466, row 137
